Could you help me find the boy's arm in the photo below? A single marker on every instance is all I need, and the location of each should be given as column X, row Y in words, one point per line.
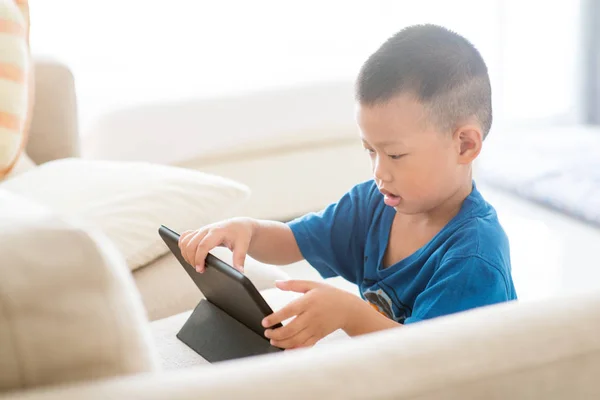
column 274, row 243
column 364, row 319
column 333, row 239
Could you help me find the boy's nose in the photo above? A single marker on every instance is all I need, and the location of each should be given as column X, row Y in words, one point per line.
column 380, row 172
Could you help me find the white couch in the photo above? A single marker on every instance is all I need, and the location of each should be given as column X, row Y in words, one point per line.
column 69, row 183
column 72, row 326
column 545, row 348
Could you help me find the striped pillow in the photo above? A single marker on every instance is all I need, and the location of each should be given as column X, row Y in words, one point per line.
column 15, row 82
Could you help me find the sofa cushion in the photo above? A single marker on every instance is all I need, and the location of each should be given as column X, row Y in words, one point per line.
column 547, row 349
column 231, row 126
column 69, row 310
column 128, row 201
column 15, row 82
column 54, row 129
column 172, row 352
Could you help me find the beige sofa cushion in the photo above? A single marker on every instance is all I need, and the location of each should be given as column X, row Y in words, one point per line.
column 128, row 201
column 546, row 350
column 69, row 310
column 54, row 127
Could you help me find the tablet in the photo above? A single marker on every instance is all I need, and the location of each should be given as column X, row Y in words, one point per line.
column 224, row 286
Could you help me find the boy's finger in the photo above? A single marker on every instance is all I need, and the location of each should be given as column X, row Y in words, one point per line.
column 293, row 328
column 208, row 242
column 186, row 233
column 184, row 244
column 311, row 341
column 296, row 341
column 184, row 238
column 189, row 244
column 240, row 250
column 294, row 308
column 298, row 286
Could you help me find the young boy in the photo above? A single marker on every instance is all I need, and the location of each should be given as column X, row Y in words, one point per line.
column 419, row 240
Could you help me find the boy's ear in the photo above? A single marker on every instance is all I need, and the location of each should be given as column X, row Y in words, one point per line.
column 468, row 139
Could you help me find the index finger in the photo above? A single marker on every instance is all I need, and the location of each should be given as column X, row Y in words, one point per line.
column 294, row 308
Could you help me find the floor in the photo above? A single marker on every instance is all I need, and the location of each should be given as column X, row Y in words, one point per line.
column 551, row 253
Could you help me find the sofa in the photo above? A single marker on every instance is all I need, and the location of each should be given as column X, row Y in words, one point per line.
column 73, row 326
column 54, row 141
column 76, row 321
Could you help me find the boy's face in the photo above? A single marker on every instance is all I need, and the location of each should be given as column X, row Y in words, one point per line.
column 416, row 166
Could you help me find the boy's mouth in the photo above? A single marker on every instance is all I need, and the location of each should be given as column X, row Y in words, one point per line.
column 390, row 199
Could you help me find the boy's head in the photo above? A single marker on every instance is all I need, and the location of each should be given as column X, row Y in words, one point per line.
column 424, row 108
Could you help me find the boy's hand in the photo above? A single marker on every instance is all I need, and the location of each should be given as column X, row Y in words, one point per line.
column 234, row 234
column 320, row 311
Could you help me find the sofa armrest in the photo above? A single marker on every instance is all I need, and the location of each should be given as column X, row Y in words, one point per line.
column 536, row 350
column 54, row 125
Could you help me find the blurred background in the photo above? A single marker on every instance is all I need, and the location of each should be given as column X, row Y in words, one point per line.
column 126, row 52
column 261, row 92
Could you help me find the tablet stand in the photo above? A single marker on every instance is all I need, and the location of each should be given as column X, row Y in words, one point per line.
column 216, row 336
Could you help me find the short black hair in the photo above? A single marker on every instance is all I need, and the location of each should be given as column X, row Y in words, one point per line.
column 442, row 69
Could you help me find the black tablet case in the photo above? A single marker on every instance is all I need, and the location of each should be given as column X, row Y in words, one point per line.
column 213, row 333
column 216, row 336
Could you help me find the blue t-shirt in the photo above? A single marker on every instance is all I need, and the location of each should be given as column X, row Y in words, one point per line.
column 466, row 265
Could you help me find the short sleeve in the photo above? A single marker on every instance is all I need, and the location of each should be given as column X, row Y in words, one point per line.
column 460, row 284
column 333, row 240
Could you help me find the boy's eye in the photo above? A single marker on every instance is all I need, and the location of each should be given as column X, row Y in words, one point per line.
column 396, row 156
